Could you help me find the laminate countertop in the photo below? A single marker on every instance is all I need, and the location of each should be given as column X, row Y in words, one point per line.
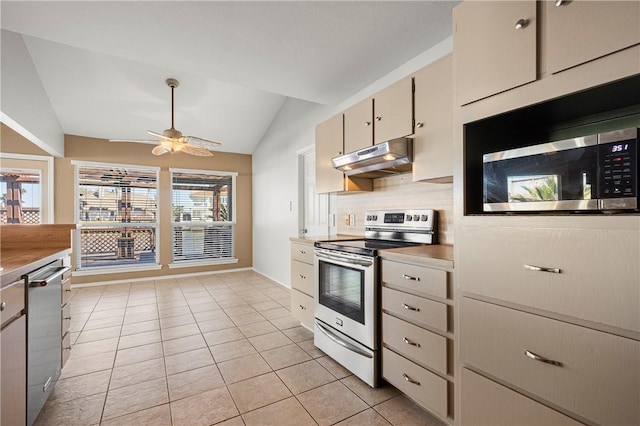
column 16, row 263
column 437, row 255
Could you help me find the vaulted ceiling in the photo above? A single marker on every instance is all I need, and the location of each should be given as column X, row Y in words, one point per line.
column 103, row 64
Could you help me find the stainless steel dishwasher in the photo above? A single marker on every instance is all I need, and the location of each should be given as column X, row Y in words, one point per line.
column 44, row 346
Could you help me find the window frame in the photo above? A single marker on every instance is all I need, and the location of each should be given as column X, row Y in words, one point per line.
column 46, row 172
column 79, row 270
column 232, row 222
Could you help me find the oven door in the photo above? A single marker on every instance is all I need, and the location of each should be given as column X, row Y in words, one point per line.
column 345, row 294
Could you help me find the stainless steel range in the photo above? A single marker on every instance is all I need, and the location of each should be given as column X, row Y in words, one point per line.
column 347, row 287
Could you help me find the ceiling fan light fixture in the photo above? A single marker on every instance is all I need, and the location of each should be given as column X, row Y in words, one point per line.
column 171, row 140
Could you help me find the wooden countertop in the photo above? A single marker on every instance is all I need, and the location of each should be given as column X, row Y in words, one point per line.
column 25, row 248
column 438, row 255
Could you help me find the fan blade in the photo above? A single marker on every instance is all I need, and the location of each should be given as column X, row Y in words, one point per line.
column 159, row 150
column 194, row 150
column 159, row 135
column 135, row 141
column 202, row 143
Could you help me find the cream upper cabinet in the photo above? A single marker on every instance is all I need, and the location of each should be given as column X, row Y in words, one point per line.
column 358, row 126
column 494, row 47
column 433, row 137
column 579, row 31
column 393, row 111
column 329, row 144
column 387, row 115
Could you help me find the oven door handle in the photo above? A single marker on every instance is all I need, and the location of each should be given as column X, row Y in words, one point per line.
column 341, row 342
column 347, row 259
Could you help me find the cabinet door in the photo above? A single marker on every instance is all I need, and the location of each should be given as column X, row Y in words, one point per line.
column 485, row 402
column 14, row 373
column 329, row 144
column 358, row 126
column 393, row 111
column 433, row 137
column 579, row 31
column 491, row 55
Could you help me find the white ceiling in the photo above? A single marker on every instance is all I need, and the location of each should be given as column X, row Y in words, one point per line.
column 104, row 64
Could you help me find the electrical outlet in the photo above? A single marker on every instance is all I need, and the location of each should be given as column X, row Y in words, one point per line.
column 347, row 220
column 352, row 219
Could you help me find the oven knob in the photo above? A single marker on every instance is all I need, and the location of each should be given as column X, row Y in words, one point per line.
column 424, row 218
column 416, row 217
column 375, row 217
column 409, row 218
column 368, row 217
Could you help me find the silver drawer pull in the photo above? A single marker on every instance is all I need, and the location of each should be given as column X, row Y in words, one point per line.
column 542, row 359
column 410, row 380
column 303, row 277
column 542, row 269
column 410, row 308
column 302, row 307
column 410, row 278
column 67, row 318
column 303, row 252
column 3, row 305
column 410, row 342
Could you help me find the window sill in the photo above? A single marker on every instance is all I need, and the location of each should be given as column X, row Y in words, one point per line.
column 205, row 262
column 114, row 270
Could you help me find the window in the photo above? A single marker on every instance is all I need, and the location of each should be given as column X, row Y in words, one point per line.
column 26, row 193
column 117, row 215
column 203, row 217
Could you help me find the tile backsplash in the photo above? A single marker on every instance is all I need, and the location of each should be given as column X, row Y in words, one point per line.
column 398, row 192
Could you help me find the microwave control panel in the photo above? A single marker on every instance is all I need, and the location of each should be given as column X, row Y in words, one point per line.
column 619, row 169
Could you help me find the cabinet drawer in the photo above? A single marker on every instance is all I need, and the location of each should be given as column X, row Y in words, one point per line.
column 66, row 290
column 302, row 252
column 12, row 299
column 302, row 308
column 66, row 348
column 417, row 344
column 302, row 277
column 66, row 318
column 598, row 279
column 415, row 279
column 599, row 375
column 418, row 310
column 421, row 385
column 484, row 402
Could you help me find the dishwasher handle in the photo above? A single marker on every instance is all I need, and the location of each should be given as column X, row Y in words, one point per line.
column 41, row 282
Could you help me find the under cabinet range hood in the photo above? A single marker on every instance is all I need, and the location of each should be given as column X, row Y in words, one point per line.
column 386, row 158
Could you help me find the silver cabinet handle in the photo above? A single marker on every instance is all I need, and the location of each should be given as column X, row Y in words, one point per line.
column 378, row 118
column 521, row 23
column 302, row 276
column 367, row 123
column 561, row 2
column 302, row 307
column 302, row 252
column 3, row 305
column 419, row 125
column 542, row 269
column 410, row 342
column 410, row 308
column 410, row 380
column 410, row 278
column 67, row 318
column 542, row 359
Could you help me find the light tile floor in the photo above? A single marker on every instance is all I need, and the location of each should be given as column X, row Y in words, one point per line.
column 215, row 349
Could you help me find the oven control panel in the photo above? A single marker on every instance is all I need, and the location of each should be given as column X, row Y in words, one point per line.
column 401, row 219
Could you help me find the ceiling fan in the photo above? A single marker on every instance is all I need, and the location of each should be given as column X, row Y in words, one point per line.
column 171, row 140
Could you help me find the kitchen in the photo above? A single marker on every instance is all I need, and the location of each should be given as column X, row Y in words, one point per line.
column 274, row 162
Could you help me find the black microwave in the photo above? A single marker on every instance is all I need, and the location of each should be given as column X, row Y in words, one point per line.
column 590, row 173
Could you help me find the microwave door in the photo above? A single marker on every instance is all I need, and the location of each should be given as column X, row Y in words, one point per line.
column 549, row 179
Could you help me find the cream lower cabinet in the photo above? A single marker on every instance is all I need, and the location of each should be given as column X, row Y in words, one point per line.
column 548, row 317
column 302, row 277
column 417, row 336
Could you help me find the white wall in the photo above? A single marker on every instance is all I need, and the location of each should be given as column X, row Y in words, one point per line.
column 275, row 173
column 24, row 103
